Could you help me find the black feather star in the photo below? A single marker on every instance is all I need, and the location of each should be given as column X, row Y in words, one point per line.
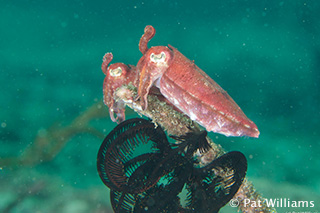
column 147, row 173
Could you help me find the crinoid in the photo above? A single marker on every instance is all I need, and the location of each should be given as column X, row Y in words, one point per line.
column 152, row 179
column 117, row 159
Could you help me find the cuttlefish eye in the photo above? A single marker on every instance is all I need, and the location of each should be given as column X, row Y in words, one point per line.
column 158, row 58
column 116, row 72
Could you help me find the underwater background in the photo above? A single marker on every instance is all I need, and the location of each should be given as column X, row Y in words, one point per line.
column 265, row 54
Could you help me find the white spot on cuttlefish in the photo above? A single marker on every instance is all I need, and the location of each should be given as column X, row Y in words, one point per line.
column 193, row 116
column 247, row 126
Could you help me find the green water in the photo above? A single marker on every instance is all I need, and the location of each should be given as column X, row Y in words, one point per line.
column 265, row 54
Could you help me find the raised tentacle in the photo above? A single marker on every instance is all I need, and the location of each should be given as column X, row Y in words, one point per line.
column 149, row 32
column 107, row 58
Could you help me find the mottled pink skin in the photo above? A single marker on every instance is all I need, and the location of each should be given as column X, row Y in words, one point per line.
column 117, row 75
column 189, row 89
